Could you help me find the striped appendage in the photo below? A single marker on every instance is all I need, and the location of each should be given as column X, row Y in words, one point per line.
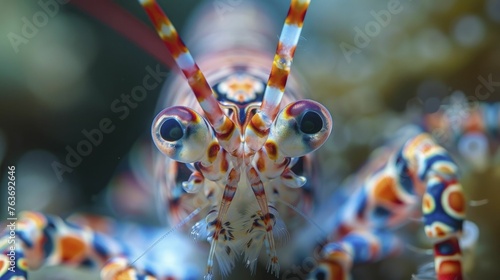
column 119, row 269
column 224, row 127
column 45, row 240
column 448, row 259
column 260, row 194
column 387, row 195
column 356, row 247
column 258, row 127
column 227, row 198
column 443, row 204
column 93, row 242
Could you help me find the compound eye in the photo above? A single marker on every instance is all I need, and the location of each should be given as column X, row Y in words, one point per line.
column 300, row 128
column 181, row 134
column 311, row 123
column 171, row 130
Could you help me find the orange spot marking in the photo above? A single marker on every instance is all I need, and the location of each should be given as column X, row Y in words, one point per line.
column 175, row 45
column 440, row 232
column 456, row 201
column 23, row 264
column 446, row 169
column 385, row 191
column 213, row 150
column 226, row 130
column 427, row 204
column 72, row 248
column 296, row 13
column 198, row 84
column 278, row 76
column 336, row 270
column 271, row 149
column 261, row 162
column 126, row 274
column 258, row 126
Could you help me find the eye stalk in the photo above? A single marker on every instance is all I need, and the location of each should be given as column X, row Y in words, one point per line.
column 181, row 134
column 300, row 128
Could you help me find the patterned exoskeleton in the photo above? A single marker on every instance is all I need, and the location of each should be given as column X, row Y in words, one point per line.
column 236, row 155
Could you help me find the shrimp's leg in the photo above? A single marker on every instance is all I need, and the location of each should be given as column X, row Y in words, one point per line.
column 216, row 226
column 388, row 191
column 260, row 194
column 443, row 203
column 119, row 268
column 355, row 247
column 15, row 267
column 43, row 240
column 443, row 206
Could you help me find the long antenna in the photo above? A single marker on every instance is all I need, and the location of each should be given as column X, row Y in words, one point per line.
column 258, row 129
column 222, row 125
